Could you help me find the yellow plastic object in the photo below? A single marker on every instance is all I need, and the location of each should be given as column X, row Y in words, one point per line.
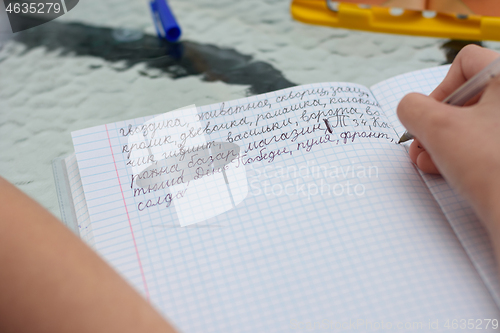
column 408, row 22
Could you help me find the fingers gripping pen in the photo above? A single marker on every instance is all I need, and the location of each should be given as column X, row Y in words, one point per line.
column 468, row 90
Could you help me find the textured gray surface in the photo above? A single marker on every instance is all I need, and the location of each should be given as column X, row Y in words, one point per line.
column 45, row 93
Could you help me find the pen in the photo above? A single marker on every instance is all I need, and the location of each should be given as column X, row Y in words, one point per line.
column 164, row 20
column 468, row 90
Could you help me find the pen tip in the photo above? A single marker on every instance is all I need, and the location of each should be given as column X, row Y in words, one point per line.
column 404, row 138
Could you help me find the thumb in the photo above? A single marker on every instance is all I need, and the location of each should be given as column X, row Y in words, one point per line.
column 423, row 116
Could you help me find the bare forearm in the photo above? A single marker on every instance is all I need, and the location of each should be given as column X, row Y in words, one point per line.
column 51, row 282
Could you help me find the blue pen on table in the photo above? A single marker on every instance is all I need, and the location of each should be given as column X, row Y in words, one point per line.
column 164, row 21
column 468, row 90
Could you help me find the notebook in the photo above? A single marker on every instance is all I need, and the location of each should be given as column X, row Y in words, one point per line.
column 294, row 210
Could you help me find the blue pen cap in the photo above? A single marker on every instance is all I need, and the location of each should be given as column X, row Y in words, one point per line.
column 172, row 31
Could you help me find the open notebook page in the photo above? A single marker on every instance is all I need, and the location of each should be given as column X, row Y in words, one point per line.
column 462, row 218
column 306, row 225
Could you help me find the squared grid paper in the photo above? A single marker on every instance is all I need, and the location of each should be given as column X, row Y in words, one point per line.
column 283, row 258
column 460, row 215
column 391, row 91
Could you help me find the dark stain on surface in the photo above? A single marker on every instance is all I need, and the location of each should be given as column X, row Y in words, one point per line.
column 452, row 47
column 175, row 60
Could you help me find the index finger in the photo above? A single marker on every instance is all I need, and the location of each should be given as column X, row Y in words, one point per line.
column 469, row 61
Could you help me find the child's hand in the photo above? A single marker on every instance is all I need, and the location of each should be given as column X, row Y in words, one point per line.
column 461, row 143
column 471, row 60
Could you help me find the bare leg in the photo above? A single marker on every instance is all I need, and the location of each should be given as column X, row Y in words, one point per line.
column 51, row 282
column 450, row 6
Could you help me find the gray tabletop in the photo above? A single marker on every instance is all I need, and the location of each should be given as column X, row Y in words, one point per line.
column 102, row 62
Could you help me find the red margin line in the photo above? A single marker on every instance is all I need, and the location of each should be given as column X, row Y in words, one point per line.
column 128, row 217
